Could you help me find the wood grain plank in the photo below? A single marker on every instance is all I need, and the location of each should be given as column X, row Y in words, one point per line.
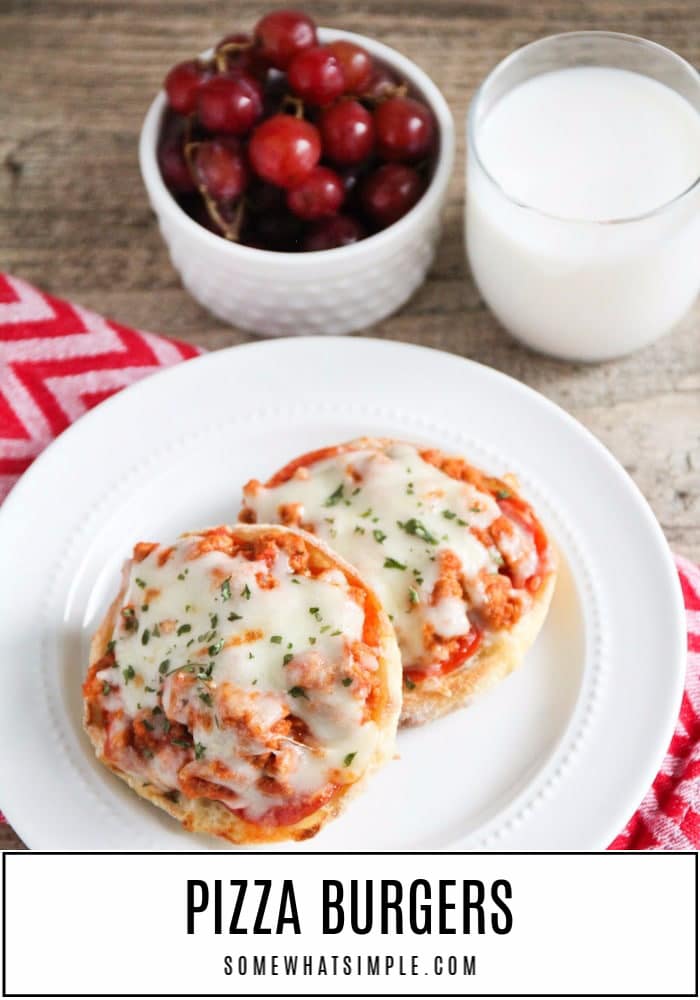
column 77, row 78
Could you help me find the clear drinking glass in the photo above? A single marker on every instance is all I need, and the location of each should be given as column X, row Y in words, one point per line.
column 577, row 289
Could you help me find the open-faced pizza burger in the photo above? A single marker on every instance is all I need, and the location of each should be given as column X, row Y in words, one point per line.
column 460, row 561
column 246, row 680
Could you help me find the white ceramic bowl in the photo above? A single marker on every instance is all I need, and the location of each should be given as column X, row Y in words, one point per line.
column 328, row 291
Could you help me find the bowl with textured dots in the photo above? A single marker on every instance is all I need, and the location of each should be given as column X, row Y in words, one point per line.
column 335, row 291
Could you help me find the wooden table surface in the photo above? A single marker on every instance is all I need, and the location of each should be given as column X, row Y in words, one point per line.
column 77, row 78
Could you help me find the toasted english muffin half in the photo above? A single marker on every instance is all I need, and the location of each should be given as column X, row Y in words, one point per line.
column 246, row 680
column 458, row 558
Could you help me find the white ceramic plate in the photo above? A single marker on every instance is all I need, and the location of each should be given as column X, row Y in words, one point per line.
column 555, row 758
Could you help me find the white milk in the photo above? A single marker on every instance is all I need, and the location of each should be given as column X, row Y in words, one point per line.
column 569, row 151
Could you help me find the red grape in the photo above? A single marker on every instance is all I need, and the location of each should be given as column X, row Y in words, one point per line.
column 276, row 89
column 320, row 194
column 338, row 231
column 171, row 154
column 220, row 168
column 351, row 178
column 230, row 103
column 283, row 150
column 347, row 130
column 283, row 33
column 315, row 76
column 174, row 169
column 356, row 64
column 182, row 85
column 389, row 192
column 405, row 129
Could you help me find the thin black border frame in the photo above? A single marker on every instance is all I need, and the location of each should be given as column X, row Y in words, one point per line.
column 392, row 996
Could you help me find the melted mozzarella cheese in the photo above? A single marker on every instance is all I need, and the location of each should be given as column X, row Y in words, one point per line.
column 228, row 656
column 449, row 617
column 518, row 548
column 391, row 514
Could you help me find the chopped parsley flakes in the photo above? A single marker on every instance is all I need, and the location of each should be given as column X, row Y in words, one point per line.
column 335, row 497
column 390, row 563
column 415, row 527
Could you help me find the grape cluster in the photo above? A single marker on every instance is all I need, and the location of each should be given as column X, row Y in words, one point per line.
column 281, row 143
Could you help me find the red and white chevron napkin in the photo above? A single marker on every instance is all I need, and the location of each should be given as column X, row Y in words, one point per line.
column 57, row 361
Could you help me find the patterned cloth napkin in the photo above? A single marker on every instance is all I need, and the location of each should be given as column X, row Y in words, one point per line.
column 57, row 361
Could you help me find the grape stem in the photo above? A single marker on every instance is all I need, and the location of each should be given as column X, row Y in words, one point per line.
column 222, row 53
column 400, row 90
column 292, row 105
column 230, row 230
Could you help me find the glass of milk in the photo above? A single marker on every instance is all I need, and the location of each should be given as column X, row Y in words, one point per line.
column 583, row 193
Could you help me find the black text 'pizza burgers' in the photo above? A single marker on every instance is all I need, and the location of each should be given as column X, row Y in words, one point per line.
column 245, row 680
column 458, row 558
